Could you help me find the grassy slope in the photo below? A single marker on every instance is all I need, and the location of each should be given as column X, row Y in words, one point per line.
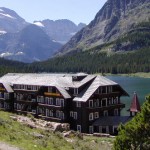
column 23, row 137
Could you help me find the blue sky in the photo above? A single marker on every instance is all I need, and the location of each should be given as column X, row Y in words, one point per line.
column 74, row 10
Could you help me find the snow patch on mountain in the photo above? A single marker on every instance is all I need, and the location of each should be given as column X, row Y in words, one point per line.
column 6, row 54
column 73, row 33
column 7, row 15
column 1, row 10
column 20, row 53
column 39, row 24
column 3, row 32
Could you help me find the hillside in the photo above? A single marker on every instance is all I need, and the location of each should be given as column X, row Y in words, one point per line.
column 25, row 137
column 114, row 20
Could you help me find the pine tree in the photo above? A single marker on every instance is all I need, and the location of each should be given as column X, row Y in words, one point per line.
column 135, row 135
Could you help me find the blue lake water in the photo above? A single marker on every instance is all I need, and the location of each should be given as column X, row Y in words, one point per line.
column 140, row 85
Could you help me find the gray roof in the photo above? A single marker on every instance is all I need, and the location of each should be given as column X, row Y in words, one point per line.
column 8, row 87
column 98, row 81
column 60, row 81
column 63, row 92
column 111, row 120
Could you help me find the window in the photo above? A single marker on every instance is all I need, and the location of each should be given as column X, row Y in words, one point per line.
column 75, row 115
column 109, row 89
column 51, row 101
column 46, row 100
column 57, row 113
column 79, row 128
column 57, row 101
column 116, row 100
column 105, row 129
column 50, row 89
column 51, row 113
column 6, row 95
column 75, row 91
column 105, row 113
column 1, row 96
column 104, row 102
column 96, row 103
column 15, row 105
column 115, row 112
column 91, row 116
column 90, row 129
column 61, row 115
column 6, row 105
column 71, row 113
column 96, row 115
column 40, row 99
column 103, row 89
column 78, row 104
column 90, row 103
column 34, row 111
column 47, row 112
column 62, row 102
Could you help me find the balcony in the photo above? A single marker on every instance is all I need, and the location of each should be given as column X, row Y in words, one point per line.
column 102, row 95
column 25, row 90
column 55, row 107
column 101, row 108
column 2, row 89
column 25, row 112
column 26, row 102
column 52, row 94
column 53, row 119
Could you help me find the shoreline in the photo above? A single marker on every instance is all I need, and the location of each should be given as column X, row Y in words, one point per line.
column 138, row 74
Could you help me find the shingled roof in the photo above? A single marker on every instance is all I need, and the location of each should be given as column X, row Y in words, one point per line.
column 98, row 81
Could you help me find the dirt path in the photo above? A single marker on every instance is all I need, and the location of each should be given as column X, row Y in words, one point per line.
column 4, row 146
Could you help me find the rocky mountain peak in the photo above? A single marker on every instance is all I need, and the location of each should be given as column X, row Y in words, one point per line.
column 10, row 21
column 114, row 19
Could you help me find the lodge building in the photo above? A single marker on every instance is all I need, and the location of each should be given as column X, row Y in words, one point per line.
column 86, row 102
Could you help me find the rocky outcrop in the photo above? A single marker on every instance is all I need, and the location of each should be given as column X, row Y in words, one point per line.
column 114, row 19
column 41, row 124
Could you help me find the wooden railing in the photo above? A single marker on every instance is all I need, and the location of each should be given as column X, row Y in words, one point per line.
column 2, row 89
column 52, row 94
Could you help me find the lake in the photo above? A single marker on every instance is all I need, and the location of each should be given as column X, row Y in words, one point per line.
column 140, row 85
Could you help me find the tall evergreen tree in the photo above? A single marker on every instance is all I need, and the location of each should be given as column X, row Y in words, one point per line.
column 135, row 135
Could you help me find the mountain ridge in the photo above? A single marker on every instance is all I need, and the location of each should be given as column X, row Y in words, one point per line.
column 114, row 19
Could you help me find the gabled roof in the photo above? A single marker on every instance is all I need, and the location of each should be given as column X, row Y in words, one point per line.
column 135, row 106
column 98, row 81
column 63, row 92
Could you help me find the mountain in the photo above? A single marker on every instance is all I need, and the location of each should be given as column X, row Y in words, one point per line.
column 60, row 30
column 26, row 42
column 116, row 19
column 28, row 45
column 10, row 21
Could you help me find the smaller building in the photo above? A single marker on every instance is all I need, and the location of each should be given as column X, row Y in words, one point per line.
column 89, row 103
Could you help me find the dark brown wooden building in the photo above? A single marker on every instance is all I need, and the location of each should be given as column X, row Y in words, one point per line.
column 79, row 99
